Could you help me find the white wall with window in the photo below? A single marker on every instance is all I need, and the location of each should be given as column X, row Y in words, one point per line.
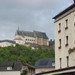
column 67, row 39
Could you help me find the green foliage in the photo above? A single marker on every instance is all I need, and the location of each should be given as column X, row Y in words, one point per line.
column 51, row 42
column 24, row 72
column 25, row 54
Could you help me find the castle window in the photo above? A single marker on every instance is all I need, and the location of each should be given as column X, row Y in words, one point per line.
column 59, row 28
column 59, row 44
column 66, row 24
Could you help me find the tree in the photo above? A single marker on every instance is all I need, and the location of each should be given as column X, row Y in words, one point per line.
column 24, row 53
column 24, row 72
column 51, row 42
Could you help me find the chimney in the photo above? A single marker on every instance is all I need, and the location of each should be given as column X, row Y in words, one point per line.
column 74, row 1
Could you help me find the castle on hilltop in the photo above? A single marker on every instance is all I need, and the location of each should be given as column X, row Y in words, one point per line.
column 35, row 37
column 27, row 38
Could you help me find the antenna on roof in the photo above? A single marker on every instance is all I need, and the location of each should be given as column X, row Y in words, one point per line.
column 18, row 28
column 74, row 1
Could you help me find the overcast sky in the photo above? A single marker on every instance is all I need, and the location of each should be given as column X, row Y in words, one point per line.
column 29, row 15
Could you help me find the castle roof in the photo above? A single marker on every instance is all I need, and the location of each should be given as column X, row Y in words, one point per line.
column 32, row 34
column 24, row 33
column 40, row 34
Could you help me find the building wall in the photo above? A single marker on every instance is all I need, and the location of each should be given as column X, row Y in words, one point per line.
column 40, row 70
column 19, row 39
column 5, row 44
column 42, row 41
column 63, row 51
column 9, row 72
column 29, row 39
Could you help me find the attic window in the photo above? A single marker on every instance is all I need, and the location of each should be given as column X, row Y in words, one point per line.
column 53, row 63
column 9, row 68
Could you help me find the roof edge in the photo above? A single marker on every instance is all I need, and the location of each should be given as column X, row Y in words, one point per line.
column 64, row 11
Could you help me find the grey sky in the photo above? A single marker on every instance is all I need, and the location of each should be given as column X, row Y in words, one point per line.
column 29, row 15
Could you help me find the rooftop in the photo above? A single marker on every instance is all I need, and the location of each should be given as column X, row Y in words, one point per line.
column 64, row 11
column 15, row 65
column 45, row 63
column 10, row 41
column 32, row 34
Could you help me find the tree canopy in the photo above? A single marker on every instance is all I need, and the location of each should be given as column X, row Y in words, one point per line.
column 25, row 54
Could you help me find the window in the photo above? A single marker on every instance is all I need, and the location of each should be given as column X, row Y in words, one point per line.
column 59, row 28
column 67, row 61
column 9, row 68
column 53, row 63
column 59, row 44
column 60, row 62
column 66, row 41
column 66, row 24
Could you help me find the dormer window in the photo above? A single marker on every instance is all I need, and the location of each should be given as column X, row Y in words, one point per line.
column 59, row 28
column 9, row 68
column 66, row 24
column 53, row 63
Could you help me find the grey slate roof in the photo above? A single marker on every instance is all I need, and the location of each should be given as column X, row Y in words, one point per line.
column 40, row 34
column 24, row 33
column 15, row 65
column 45, row 63
column 10, row 41
column 31, row 34
column 64, row 11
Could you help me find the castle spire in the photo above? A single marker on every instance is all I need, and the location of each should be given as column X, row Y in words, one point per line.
column 18, row 28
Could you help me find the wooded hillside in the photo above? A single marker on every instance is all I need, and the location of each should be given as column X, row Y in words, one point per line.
column 25, row 54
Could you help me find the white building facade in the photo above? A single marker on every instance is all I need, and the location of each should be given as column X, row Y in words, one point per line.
column 64, row 43
column 5, row 43
column 64, row 38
